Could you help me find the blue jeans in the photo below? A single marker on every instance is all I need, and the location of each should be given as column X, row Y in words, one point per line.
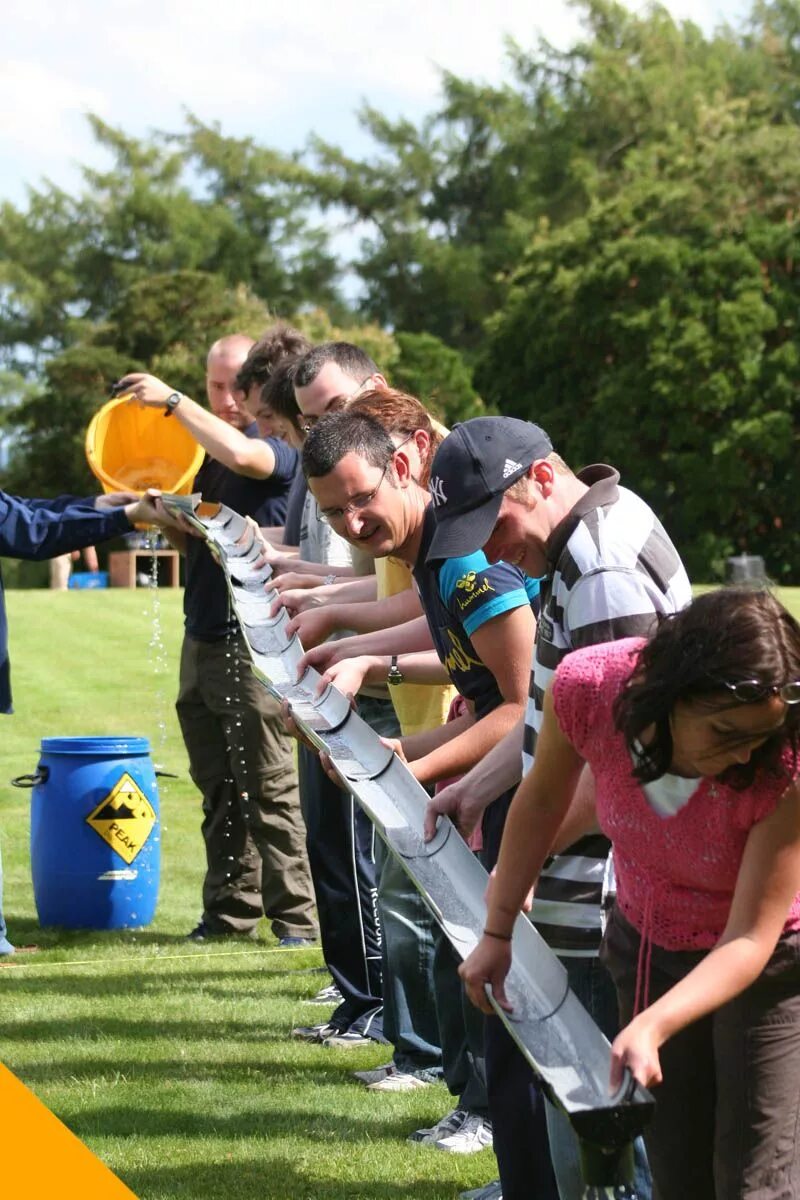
column 591, row 983
column 5, row 944
column 409, row 1012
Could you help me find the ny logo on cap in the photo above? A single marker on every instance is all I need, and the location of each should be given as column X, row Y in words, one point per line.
column 437, row 491
column 509, row 467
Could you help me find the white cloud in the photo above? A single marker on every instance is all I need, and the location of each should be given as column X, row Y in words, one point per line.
column 275, row 71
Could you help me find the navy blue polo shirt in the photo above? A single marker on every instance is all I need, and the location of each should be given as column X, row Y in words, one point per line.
column 206, row 608
column 460, row 595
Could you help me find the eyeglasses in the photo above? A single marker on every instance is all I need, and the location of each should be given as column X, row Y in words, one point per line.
column 329, row 515
column 334, row 515
column 752, row 691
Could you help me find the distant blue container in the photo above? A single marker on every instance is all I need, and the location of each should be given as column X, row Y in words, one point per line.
column 95, row 835
column 88, row 579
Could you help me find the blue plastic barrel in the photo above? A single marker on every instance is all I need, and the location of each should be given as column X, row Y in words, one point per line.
column 95, row 835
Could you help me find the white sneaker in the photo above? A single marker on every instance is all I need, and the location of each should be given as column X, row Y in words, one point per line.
column 448, row 1124
column 472, row 1136
column 326, row 995
column 397, row 1081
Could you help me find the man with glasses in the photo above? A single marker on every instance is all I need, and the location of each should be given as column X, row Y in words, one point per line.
column 340, row 838
column 480, row 622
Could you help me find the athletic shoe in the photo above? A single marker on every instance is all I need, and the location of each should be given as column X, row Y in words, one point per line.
column 296, row 943
column 343, row 1038
column 448, row 1124
column 398, row 1081
column 314, row 1033
column 491, row 1191
column 326, row 995
column 472, row 1136
column 5, row 946
column 373, row 1075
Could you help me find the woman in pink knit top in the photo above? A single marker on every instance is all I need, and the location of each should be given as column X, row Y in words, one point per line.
column 692, row 741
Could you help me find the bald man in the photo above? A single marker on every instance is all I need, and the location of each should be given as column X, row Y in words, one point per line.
column 239, row 754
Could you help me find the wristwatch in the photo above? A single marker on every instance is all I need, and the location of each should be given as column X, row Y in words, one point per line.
column 171, row 403
column 395, row 675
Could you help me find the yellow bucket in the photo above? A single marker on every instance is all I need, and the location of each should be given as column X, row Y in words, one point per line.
column 131, row 449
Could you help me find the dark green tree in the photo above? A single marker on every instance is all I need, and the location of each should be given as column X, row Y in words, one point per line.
column 450, row 206
column 194, row 201
column 659, row 332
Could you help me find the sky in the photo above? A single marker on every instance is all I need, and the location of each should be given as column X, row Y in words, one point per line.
column 271, row 71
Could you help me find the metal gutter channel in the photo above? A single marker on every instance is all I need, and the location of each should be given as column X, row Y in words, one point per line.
column 553, row 1031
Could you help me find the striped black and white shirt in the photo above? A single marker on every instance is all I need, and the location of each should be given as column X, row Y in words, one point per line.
column 611, row 570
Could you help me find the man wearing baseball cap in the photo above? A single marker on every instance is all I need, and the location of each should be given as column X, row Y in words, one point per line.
column 609, row 570
column 472, row 470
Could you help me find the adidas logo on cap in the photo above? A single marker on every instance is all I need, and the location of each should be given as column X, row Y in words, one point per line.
column 509, row 467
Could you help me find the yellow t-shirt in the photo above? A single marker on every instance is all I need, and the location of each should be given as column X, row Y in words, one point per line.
column 419, row 706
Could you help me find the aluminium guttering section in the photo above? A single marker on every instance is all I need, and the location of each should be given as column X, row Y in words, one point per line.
column 548, row 1023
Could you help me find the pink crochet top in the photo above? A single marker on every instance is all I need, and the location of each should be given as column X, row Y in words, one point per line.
column 675, row 875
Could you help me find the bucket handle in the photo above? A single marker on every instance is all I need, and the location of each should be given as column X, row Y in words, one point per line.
column 165, row 774
column 40, row 775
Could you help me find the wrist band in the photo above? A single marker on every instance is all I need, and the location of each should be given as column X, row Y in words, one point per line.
column 501, row 937
column 329, row 579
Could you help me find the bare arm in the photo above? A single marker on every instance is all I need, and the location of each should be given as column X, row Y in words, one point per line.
column 765, row 886
column 299, row 592
column 504, row 645
column 465, row 800
column 361, row 617
column 412, row 636
column 350, row 674
column 246, row 456
column 536, row 814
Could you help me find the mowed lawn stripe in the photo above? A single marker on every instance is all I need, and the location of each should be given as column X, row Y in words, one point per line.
column 175, row 1067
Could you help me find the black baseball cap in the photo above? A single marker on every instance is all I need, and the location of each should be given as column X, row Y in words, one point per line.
column 470, row 473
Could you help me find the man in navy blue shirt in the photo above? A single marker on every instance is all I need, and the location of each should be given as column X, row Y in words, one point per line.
column 239, row 754
column 40, row 529
column 481, row 626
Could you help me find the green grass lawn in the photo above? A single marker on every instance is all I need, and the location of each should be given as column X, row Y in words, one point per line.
column 170, row 1060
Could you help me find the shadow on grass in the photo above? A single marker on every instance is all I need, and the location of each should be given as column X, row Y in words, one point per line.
column 300, row 1123
column 45, row 980
column 26, row 930
column 255, row 1179
column 179, row 1071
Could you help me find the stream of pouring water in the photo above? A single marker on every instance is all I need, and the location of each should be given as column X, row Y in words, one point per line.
column 157, row 653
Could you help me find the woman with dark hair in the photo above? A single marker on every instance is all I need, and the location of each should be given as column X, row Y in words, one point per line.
column 692, row 740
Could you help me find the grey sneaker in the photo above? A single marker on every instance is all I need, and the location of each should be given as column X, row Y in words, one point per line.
column 346, row 1038
column 374, row 1074
column 326, row 995
column 473, row 1135
column 314, row 1033
column 448, row 1124
column 398, row 1081
column 490, row 1191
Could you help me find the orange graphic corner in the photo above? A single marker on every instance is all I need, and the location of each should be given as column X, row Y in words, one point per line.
column 41, row 1158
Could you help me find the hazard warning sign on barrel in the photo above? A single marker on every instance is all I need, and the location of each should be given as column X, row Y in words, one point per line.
column 124, row 818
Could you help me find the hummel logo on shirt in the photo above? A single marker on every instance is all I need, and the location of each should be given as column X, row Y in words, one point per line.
column 510, row 467
column 437, row 491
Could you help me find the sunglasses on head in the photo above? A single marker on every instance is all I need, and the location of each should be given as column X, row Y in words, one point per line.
column 752, row 691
